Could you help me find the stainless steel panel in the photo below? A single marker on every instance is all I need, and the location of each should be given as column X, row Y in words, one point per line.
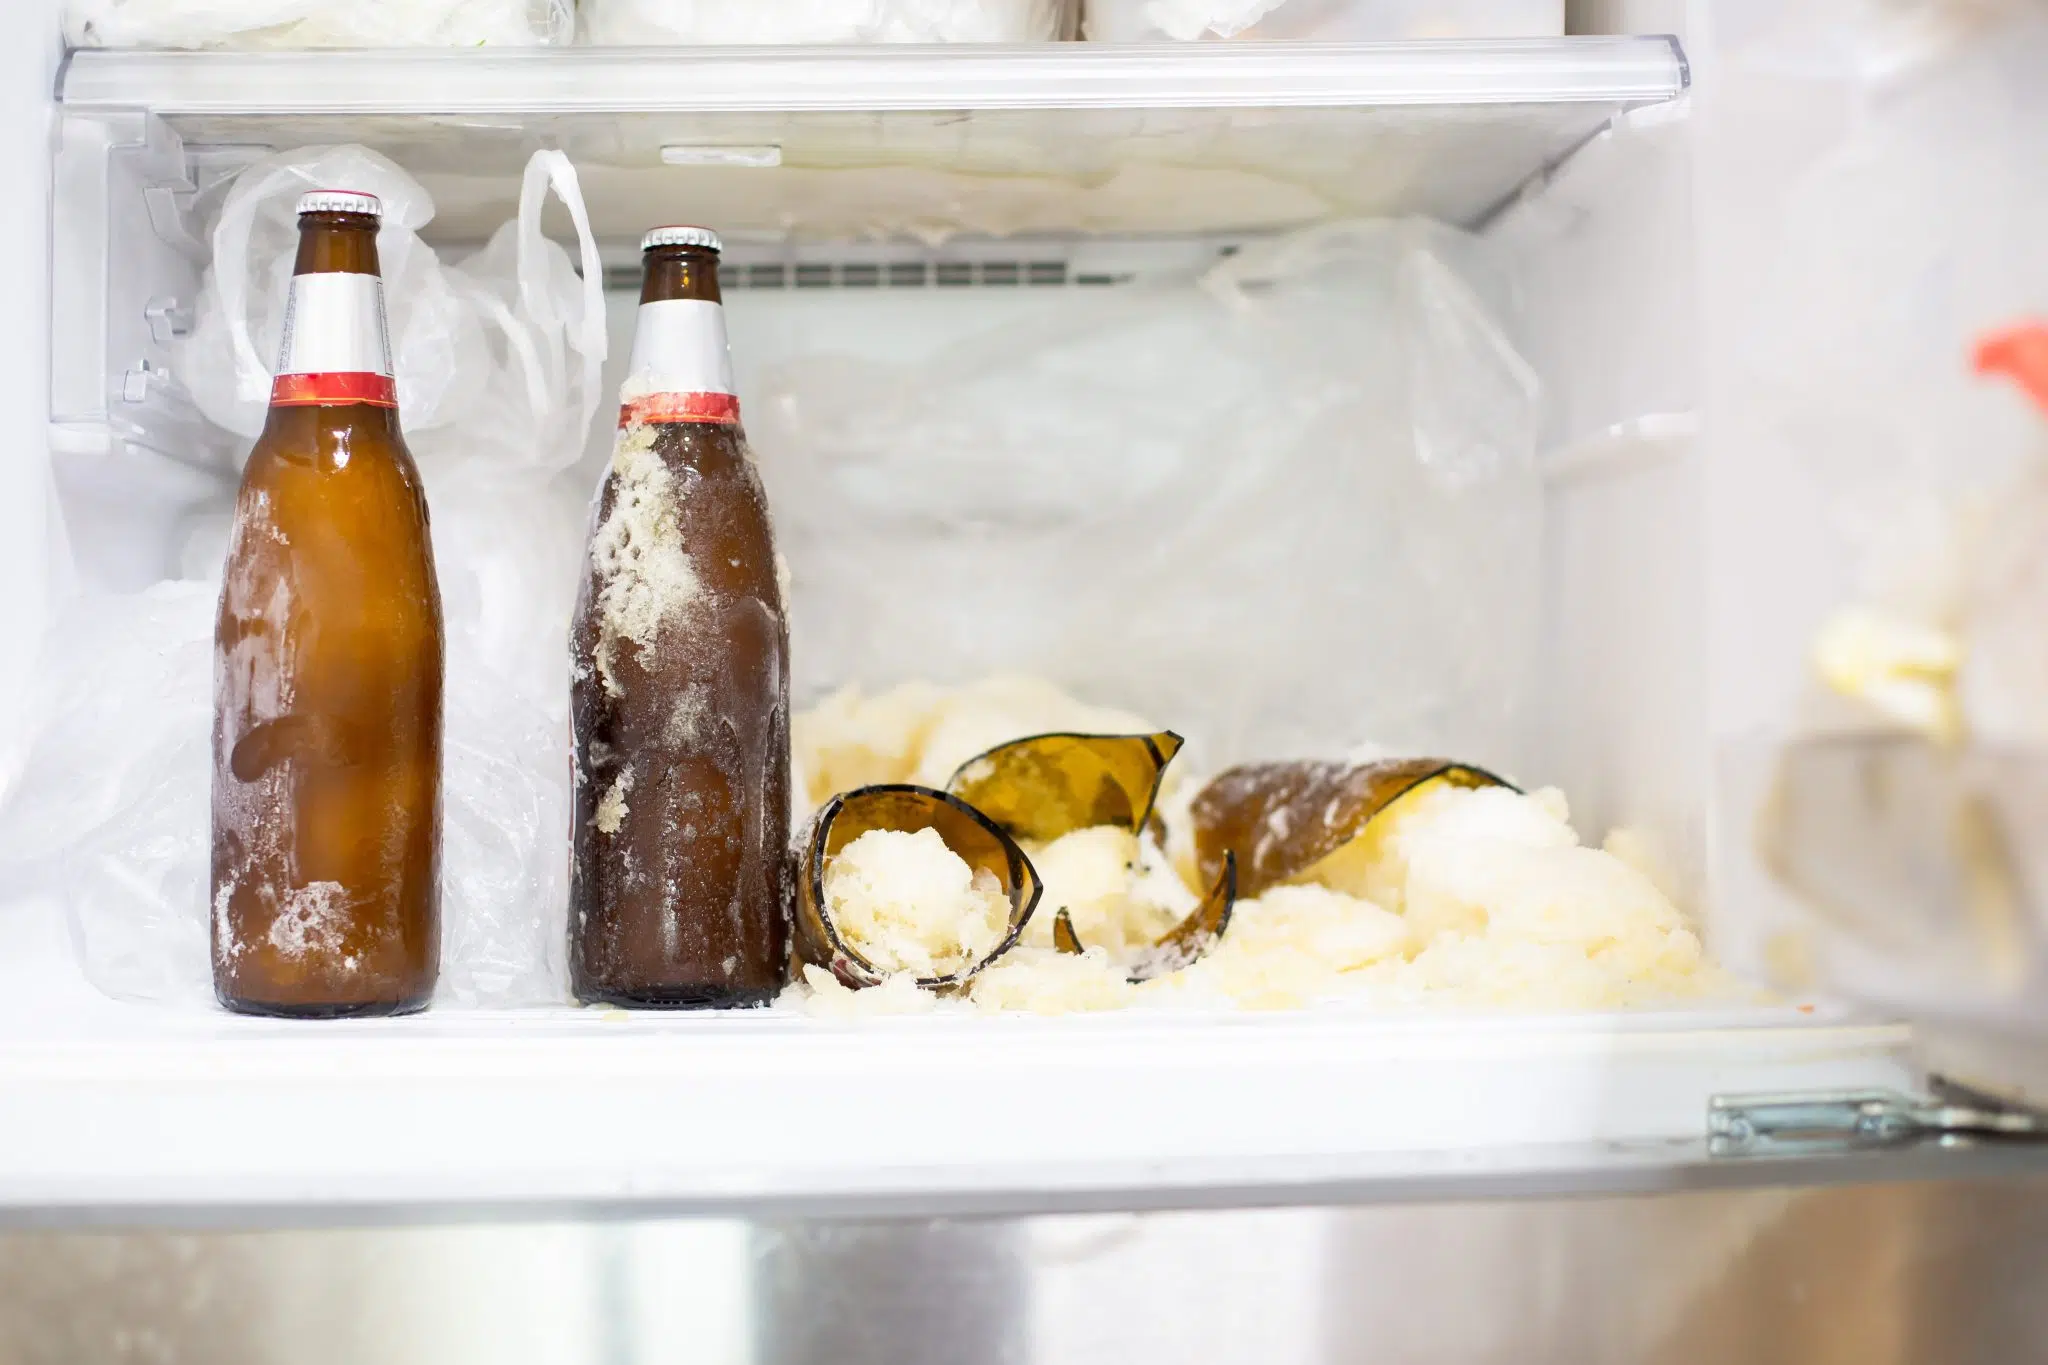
column 1869, row 1274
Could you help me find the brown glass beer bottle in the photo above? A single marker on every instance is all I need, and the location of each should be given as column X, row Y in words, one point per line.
column 679, row 678
column 327, row 668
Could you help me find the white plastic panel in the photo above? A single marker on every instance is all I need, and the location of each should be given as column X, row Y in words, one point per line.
column 1601, row 251
column 928, row 143
column 124, row 278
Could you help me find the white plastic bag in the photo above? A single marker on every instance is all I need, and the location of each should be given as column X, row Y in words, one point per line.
column 1292, row 510
column 110, row 812
column 502, row 351
column 628, row 22
column 317, row 23
column 502, row 356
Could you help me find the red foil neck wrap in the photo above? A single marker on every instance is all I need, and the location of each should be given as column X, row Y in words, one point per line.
column 716, row 409
column 333, row 390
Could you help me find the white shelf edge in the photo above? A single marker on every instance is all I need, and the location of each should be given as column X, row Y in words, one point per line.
column 1122, row 1188
column 748, row 1114
column 163, row 1113
column 1629, row 71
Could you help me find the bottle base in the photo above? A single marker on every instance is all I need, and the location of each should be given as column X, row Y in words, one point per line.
column 676, row 997
column 357, row 1009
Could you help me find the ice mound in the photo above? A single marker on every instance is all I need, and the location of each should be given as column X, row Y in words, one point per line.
column 911, row 905
column 1462, row 897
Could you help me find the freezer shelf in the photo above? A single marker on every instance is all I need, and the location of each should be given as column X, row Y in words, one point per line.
column 122, row 1111
column 963, row 76
column 922, row 143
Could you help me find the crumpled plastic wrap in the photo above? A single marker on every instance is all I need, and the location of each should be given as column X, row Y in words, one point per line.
column 500, row 357
column 1139, row 21
column 1143, row 20
column 317, row 23
column 629, row 22
column 1295, row 507
column 110, row 810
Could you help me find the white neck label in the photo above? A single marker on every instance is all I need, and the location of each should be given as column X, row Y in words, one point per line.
column 337, row 344
column 681, row 370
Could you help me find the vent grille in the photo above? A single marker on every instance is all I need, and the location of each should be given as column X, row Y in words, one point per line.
column 962, row 263
column 1016, row 274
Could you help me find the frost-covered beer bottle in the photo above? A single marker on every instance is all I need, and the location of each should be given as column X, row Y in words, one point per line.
column 327, row 668
column 679, row 678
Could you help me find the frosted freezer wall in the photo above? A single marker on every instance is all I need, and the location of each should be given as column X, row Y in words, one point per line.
column 26, row 553
column 1238, row 494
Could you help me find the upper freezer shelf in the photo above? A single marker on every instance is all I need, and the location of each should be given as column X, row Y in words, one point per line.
column 827, row 143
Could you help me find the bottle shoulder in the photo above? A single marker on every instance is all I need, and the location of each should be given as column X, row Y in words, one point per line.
column 319, row 442
column 335, row 493
column 684, row 455
column 712, row 444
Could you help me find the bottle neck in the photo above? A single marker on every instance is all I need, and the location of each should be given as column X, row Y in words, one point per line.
column 681, row 370
column 679, row 272
column 336, row 348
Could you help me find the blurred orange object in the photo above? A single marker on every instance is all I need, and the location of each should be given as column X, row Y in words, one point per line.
column 2020, row 352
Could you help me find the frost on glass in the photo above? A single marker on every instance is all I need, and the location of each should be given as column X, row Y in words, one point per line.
column 497, row 358
column 1292, row 504
column 317, row 23
column 634, row 22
